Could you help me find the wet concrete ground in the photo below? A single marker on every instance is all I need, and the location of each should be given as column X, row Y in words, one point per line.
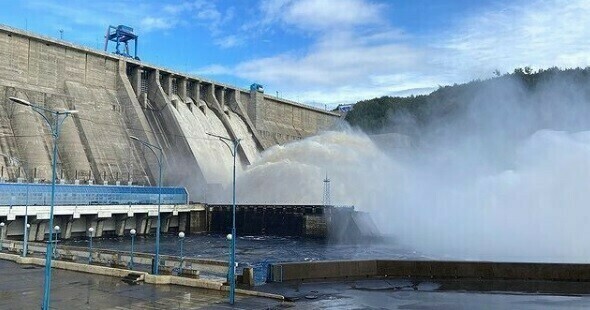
column 404, row 294
column 21, row 288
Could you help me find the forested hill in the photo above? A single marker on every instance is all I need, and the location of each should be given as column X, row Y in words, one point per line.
column 406, row 114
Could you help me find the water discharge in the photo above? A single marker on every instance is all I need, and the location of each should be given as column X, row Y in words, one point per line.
column 248, row 144
column 213, row 156
column 506, row 178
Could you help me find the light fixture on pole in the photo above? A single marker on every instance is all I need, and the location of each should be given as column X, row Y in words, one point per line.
column 90, row 235
column 56, row 228
column 232, row 256
column 229, row 269
column 58, row 118
column 2, row 235
column 132, row 232
column 159, row 157
column 26, row 247
column 181, row 237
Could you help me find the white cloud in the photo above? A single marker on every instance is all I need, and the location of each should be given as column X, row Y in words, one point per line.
column 229, row 41
column 156, row 23
column 334, row 61
column 540, row 33
column 357, row 55
column 323, row 14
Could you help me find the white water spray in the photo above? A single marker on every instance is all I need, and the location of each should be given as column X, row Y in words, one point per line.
column 507, row 179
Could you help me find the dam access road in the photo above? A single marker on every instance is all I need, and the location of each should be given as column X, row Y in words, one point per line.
column 20, row 288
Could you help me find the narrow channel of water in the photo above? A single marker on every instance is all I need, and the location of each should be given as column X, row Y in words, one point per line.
column 256, row 251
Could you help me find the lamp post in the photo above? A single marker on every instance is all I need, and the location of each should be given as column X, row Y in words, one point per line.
column 90, row 235
column 26, row 233
column 230, row 269
column 56, row 229
column 181, row 237
column 2, row 235
column 132, row 232
column 159, row 157
column 58, row 118
column 232, row 256
column 26, row 244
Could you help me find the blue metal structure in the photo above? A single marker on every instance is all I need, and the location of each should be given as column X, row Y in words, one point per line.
column 232, row 255
column 79, row 195
column 121, row 34
column 257, row 87
column 160, row 157
column 55, row 124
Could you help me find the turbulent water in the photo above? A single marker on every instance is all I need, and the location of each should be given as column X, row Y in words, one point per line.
column 295, row 172
column 505, row 179
column 256, row 251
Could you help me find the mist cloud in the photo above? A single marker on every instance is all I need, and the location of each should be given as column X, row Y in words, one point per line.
column 504, row 178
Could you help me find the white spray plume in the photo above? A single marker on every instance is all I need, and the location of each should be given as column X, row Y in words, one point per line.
column 507, row 179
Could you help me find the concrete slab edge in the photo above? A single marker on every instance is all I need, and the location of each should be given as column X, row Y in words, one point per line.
column 148, row 278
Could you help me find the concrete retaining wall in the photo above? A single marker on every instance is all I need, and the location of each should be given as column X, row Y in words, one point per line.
column 333, row 270
column 144, row 276
column 105, row 257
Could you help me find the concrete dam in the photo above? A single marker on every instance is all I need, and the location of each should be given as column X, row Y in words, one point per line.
column 118, row 97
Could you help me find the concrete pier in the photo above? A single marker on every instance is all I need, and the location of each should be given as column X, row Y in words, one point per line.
column 314, row 221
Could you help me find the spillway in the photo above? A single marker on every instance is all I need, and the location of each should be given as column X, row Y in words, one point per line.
column 248, row 143
column 212, row 155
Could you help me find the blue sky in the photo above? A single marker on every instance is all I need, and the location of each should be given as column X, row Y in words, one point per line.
column 329, row 51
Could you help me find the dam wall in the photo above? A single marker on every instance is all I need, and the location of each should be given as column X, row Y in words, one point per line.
column 118, row 97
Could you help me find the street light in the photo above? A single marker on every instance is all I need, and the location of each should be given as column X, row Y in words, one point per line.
column 232, row 256
column 90, row 233
column 56, row 228
column 58, row 118
column 181, row 237
column 26, row 246
column 13, row 159
column 159, row 157
column 132, row 232
column 2, row 236
column 230, row 269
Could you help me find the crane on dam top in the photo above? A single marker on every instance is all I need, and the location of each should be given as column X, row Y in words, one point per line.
column 121, row 34
column 257, row 87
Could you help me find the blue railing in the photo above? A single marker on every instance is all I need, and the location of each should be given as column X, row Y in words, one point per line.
column 15, row 194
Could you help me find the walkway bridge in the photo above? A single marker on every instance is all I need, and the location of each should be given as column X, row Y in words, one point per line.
column 115, row 210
